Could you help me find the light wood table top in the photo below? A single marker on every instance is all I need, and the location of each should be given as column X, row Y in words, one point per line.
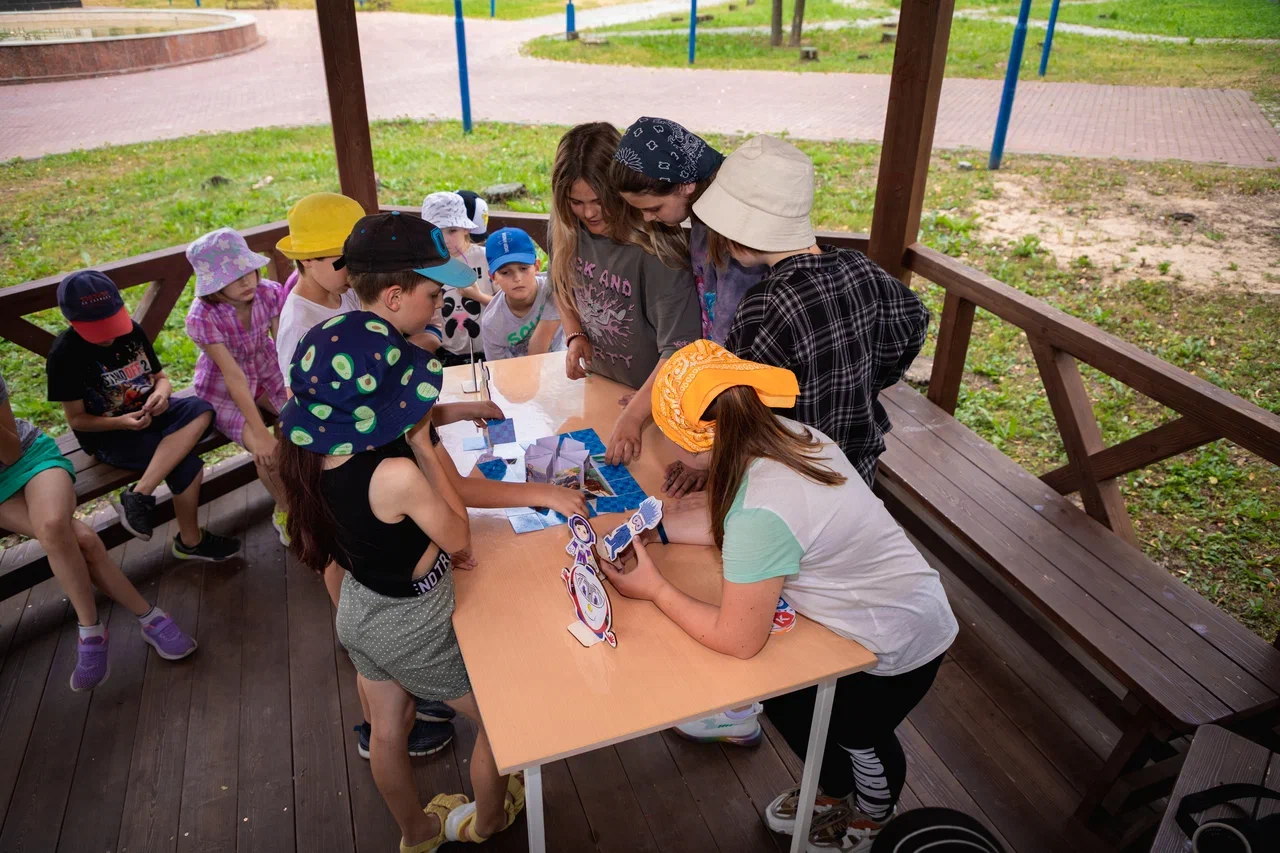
column 543, row 696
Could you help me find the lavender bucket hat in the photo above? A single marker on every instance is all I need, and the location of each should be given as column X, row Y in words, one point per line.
column 219, row 258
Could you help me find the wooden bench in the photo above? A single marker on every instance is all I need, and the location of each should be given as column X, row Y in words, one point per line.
column 1174, row 660
column 167, row 273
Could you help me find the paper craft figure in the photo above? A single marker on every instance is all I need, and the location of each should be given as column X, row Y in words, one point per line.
column 591, row 601
column 645, row 518
column 582, row 545
column 558, row 460
column 784, row 618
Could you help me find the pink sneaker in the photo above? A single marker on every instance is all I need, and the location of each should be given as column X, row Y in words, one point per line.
column 169, row 641
column 92, row 665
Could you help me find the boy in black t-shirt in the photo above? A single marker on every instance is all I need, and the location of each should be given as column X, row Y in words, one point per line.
column 117, row 400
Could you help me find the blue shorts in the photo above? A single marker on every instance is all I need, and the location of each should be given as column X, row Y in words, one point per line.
column 132, row 451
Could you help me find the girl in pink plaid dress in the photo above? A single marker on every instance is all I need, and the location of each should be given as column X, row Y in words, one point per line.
column 233, row 321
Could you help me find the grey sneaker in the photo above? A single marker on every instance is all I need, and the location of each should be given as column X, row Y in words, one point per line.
column 137, row 513
column 211, row 548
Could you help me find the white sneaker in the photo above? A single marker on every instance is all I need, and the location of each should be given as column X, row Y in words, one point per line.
column 781, row 813
column 844, row 829
column 741, row 729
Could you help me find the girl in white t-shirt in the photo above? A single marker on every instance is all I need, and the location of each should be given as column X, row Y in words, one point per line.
column 794, row 521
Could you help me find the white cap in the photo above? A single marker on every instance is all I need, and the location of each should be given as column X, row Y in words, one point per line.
column 447, row 210
column 761, row 197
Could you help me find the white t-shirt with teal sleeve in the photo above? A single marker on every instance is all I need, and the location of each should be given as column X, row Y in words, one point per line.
column 847, row 563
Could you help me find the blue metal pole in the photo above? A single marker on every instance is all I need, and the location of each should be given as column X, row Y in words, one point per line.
column 462, row 66
column 1048, row 39
column 568, row 18
column 693, row 31
column 493, row 7
column 1010, row 85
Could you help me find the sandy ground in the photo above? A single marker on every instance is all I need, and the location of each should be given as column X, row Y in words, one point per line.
column 1232, row 242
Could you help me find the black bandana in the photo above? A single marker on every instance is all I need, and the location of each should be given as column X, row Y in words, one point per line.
column 666, row 151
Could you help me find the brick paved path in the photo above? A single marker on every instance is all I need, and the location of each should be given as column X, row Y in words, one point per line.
column 410, row 70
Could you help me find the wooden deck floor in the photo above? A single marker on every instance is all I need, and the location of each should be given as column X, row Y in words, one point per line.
column 247, row 746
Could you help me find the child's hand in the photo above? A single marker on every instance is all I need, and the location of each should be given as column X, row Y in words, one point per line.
column 643, row 582
column 579, row 353
column 157, row 403
column 681, row 480
column 463, row 560
column 264, row 449
column 567, row 502
column 138, row 420
column 484, row 410
column 624, row 442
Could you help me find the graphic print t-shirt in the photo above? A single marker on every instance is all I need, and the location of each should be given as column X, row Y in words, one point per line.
column 633, row 308
column 506, row 335
column 112, row 380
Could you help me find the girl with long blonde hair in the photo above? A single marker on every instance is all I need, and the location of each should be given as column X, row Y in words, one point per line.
column 623, row 287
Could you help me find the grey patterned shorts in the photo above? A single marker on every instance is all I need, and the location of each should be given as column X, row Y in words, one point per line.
column 406, row 640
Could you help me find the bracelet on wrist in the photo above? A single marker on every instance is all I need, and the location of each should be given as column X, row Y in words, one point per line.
column 569, row 339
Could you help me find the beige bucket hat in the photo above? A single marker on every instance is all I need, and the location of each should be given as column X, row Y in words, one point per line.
column 761, row 197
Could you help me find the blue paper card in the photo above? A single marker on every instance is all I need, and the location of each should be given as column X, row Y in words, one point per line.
column 501, row 432
column 476, row 442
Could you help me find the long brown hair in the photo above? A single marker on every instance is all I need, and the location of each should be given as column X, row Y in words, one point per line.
column 585, row 153
column 627, row 180
column 311, row 523
column 747, row 430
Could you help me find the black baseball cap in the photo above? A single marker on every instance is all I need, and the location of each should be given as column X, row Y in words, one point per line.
column 91, row 303
column 391, row 242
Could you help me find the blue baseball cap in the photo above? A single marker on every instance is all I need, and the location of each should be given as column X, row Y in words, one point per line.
column 357, row 385
column 390, row 242
column 91, row 302
column 509, row 246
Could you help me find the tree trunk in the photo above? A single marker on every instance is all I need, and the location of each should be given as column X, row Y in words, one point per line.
column 797, row 23
column 775, row 34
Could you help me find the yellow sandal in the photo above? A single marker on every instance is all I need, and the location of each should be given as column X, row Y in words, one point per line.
column 442, row 805
column 462, row 821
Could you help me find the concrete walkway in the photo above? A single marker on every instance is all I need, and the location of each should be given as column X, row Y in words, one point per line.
column 410, row 70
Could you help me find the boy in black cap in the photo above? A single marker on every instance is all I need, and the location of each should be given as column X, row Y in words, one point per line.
column 117, row 400
column 398, row 266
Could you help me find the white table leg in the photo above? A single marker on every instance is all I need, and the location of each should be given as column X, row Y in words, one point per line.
column 812, row 765
column 533, row 808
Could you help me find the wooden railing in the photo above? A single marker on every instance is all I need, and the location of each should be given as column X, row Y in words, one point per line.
column 1058, row 341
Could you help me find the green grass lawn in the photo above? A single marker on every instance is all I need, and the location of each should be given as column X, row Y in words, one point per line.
column 1211, row 516
column 505, row 9
column 977, row 49
column 1255, row 19
column 757, row 15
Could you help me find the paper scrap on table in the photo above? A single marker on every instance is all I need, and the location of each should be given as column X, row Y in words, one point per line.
column 475, row 442
column 784, row 618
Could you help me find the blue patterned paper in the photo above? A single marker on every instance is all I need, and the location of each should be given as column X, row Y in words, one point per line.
column 628, row 491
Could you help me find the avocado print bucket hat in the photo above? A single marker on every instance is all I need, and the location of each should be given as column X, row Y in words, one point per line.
column 357, row 385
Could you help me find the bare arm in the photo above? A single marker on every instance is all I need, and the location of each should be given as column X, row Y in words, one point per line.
column 10, row 446
column 687, row 527
column 439, row 474
column 540, row 340
column 237, row 386
column 79, row 419
column 401, row 489
column 481, row 492
column 738, row 626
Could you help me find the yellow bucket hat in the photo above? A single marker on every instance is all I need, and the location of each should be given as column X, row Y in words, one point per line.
column 695, row 375
column 318, row 226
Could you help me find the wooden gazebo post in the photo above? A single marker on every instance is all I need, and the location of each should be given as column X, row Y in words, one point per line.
column 344, row 78
column 924, row 28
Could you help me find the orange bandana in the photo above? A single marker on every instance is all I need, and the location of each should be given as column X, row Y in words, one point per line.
column 697, row 374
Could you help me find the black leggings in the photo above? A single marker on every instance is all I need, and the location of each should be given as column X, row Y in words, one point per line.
column 862, row 751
